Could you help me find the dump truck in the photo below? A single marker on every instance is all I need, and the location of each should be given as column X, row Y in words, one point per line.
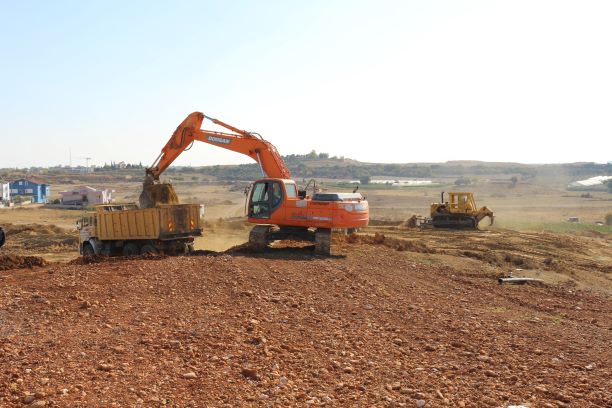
column 459, row 212
column 125, row 229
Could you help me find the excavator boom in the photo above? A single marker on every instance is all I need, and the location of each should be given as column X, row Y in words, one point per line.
column 248, row 143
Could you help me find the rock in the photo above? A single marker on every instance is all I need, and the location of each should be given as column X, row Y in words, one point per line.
column 28, row 399
column 282, row 381
column 490, row 373
column 189, row 375
column 429, row 347
column 38, row 403
column 105, row 367
column 420, row 403
column 393, row 386
column 250, row 374
column 348, row 369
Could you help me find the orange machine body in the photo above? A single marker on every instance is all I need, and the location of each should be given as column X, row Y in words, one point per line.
column 323, row 210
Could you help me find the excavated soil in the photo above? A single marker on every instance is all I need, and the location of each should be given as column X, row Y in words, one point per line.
column 584, row 261
column 8, row 262
column 369, row 326
column 48, row 241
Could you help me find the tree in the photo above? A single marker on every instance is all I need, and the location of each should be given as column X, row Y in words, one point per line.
column 323, row 155
column 513, row 180
column 609, row 184
column 365, row 179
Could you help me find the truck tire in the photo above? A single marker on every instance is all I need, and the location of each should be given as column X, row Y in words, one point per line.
column 130, row 249
column 88, row 250
column 2, row 237
column 148, row 249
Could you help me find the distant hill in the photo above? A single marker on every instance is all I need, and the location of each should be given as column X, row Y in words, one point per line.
column 322, row 166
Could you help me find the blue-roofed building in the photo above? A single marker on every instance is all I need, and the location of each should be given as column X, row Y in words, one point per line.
column 38, row 192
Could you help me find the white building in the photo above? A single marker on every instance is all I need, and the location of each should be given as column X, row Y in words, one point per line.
column 5, row 192
column 85, row 195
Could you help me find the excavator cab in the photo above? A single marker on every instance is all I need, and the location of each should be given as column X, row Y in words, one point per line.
column 268, row 195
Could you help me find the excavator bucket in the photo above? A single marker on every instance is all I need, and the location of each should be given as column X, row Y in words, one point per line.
column 155, row 194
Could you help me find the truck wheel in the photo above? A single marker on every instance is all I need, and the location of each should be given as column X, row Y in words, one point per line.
column 148, row 249
column 130, row 249
column 88, row 250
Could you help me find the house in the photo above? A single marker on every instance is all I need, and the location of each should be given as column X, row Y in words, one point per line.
column 85, row 195
column 5, row 192
column 37, row 192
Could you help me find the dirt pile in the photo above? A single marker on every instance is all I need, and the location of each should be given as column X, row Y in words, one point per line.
column 8, row 262
column 97, row 259
column 155, row 194
column 33, row 237
column 391, row 242
column 375, row 327
column 584, row 259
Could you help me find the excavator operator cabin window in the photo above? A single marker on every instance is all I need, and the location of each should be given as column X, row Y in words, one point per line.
column 291, row 190
column 267, row 197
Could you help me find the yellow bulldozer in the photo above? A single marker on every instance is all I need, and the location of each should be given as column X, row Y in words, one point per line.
column 459, row 212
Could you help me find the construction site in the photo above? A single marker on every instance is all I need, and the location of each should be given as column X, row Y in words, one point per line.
column 306, row 204
column 311, row 300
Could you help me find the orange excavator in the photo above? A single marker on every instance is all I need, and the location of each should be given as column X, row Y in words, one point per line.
column 276, row 205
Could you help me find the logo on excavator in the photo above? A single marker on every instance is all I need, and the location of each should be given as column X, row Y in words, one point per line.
column 217, row 139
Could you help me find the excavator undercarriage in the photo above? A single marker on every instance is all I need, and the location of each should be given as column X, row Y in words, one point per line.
column 263, row 235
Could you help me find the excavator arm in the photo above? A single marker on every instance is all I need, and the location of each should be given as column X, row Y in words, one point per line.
column 241, row 141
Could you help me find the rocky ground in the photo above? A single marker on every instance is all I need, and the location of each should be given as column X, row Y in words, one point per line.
column 369, row 326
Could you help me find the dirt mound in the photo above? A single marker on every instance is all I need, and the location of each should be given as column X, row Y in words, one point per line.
column 395, row 243
column 377, row 328
column 8, row 262
column 154, row 194
column 97, row 259
column 37, row 237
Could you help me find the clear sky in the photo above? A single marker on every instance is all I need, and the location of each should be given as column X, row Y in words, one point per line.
column 379, row 81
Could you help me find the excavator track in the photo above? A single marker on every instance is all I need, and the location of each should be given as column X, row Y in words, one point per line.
column 323, row 238
column 259, row 237
column 452, row 221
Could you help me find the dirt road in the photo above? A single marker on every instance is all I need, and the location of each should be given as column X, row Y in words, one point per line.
column 371, row 326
